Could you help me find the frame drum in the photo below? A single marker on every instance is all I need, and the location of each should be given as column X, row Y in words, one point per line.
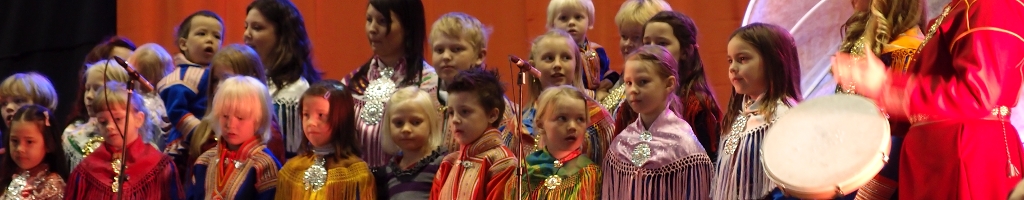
column 826, row 147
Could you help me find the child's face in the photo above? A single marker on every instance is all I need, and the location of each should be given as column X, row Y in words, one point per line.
column 238, row 123
column 564, row 125
column 576, row 21
column 556, row 61
column 630, row 37
column 315, row 110
column 661, row 34
column 646, row 91
column 93, row 82
column 746, row 71
column 219, row 72
column 468, row 118
column 204, row 38
column 27, row 145
column 12, row 104
column 112, row 127
column 384, row 43
column 410, row 127
column 259, row 33
column 452, row 54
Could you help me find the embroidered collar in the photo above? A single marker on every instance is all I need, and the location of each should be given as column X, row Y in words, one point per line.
column 106, row 152
column 540, row 165
column 377, row 65
column 489, row 140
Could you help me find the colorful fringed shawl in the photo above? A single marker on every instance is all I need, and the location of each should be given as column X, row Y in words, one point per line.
column 395, row 182
column 369, row 130
column 151, row 175
column 664, row 161
column 286, row 104
column 43, row 185
column 599, row 133
column 580, row 179
column 347, row 178
column 476, row 172
column 740, row 173
column 252, row 174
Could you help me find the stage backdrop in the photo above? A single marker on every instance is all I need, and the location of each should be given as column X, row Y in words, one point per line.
column 336, row 28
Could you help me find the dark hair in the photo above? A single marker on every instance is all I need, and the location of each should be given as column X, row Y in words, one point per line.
column 100, row 52
column 781, row 69
column 486, row 85
column 694, row 92
column 186, row 25
column 54, row 157
column 290, row 59
column 341, row 117
column 411, row 16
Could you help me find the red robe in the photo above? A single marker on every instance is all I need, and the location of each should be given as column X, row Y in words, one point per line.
column 969, row 65
column 150, row 175
column 477, row 171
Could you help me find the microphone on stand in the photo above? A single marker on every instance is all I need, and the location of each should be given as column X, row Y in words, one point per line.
column 524, row 67
column 133, row 73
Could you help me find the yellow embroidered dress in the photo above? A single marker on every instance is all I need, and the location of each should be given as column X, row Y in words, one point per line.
column 319, row 176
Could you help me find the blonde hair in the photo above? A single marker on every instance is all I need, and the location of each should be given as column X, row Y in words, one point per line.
column 556, row 6
column 534, row 82
column 239, row 91
column 115, row 94
column 667, row 66
column 893, row 16
column 31, row 86
column 152, row 61
column 421, row 99
column 462, row 26
column 637, row 12
column 548, row 98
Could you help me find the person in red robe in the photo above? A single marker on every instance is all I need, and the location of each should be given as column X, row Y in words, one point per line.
column 957, row 94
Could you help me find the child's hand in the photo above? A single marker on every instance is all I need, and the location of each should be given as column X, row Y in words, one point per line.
column 180, row 59
column 606, row 85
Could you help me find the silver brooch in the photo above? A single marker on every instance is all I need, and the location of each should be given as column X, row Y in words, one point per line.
column 377, row 93
column 316, row 176
column 642, row 151
column 466, row 164
column 17, row 185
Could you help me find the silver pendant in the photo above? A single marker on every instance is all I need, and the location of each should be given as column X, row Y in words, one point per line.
column 237, row 164
column 553, row 182
column 733, row 141
column 17, row 185
column 640, row 154
column 466, row 164
column 316, row 176
column 377, row 93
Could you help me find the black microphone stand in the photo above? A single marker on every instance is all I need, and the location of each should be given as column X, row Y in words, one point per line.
column 520, row 169
column 124, row 137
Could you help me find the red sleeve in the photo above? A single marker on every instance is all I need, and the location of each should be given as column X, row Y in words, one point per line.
column 503, row 170
column 985, row 52
column 439, row 178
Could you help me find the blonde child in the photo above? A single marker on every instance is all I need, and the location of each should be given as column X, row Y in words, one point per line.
column 559, row 171
column 412, row 132
column 482, row 166
column 630, row 20
column 153, row 63
column 554, row 55
column 656, row 156
column 40, row 168
column 150, row 175
column 184, row 89
column 23, row 89
column 765, row 70
column 240, row 166
column 459, row 42
column 328, row 166
column 576, row 17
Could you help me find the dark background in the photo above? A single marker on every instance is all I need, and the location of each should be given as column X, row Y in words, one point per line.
column 52, row 37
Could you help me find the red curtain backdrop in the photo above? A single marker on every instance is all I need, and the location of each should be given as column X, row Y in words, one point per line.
column 336, row 28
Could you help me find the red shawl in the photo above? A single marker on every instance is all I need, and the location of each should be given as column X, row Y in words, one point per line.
column 150, row 174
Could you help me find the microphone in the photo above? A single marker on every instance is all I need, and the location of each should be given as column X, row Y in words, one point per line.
column 131, row 72
column 524, row 66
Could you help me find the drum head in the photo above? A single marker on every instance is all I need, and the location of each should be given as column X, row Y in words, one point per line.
column 827, row 145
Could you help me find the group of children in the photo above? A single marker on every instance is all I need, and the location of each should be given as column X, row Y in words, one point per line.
column 255, row 121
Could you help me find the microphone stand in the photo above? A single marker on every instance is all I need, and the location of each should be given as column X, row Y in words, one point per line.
column 519, row 137
column 124, row 137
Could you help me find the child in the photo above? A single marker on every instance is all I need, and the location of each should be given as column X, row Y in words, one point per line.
column 676, row 32
column 765, row 71
column 397, row 62
column 274, row 28
column 23, row 89
column 630, row 20
column 576, row 17
column 329, row 166
column 40, row 168
column 558, row 171
column 149, row 175
column 555, row 57
column 153, row 63
column 482, row 166
column 657, row 156
column 240, row 166
column 412, row 132
column 459, row 42
column 81, row 138
column 184, row 89
column 118, row 46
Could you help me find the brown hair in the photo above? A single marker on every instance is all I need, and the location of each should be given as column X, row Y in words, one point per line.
column 186, row 25
column 54, row 158
column 103, row 50
column 153, row 63
column 341, row 118
column 781, row 67
column 486, row 85
column 291, row 58
column 666, row 67
column 241, row 59
column 893, row 16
